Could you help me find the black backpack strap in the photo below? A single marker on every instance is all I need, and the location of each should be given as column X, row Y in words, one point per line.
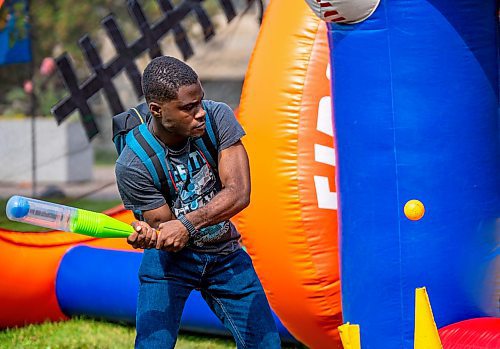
column 152, row 155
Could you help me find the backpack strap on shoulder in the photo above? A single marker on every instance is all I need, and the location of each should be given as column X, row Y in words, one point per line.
column 210, row 134
column 207, row 143
column 152, row 155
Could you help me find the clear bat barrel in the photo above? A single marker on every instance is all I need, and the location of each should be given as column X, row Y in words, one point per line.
column 40, row 213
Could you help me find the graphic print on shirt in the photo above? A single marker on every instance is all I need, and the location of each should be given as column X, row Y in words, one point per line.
column 196, row 186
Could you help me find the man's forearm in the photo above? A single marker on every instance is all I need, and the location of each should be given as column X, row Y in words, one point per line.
column 157, row 216
column 227, row 203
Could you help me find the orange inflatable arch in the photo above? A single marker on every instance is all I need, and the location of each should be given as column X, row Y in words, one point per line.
column 31, row 262
column 290, row 227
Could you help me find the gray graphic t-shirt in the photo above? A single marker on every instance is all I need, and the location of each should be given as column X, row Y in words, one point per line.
column 196, row 182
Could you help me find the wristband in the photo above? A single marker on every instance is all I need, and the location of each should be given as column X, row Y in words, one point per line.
column 189, row 226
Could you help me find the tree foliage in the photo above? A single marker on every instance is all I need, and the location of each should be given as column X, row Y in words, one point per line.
column 57, row 25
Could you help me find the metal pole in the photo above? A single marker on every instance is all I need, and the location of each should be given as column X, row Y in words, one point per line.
column 33, row 143
column 33, row 103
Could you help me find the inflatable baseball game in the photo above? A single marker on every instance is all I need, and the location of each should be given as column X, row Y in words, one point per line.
column 375, row 157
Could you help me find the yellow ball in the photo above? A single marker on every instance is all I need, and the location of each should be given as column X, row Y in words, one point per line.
column 414, row 210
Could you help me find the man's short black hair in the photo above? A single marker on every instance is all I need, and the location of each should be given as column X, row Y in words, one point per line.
column 164, row 76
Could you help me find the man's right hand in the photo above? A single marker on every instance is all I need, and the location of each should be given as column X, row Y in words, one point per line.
column 143, row 236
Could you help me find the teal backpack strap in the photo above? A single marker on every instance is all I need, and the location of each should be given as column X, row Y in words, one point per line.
column 152, row 155
column 207, row 143
column 210, row 132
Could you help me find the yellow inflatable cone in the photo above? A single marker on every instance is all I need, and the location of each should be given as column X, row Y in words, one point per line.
column 426, row 333
column 349, row 334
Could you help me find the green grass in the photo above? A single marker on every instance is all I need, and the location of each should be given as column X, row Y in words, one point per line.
column 86, row 333
column 87, row 204
column 105, row 157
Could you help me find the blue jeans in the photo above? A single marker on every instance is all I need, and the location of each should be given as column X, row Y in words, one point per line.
column 228, row 283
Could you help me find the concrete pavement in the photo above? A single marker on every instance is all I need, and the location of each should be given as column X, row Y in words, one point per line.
column 102, row 186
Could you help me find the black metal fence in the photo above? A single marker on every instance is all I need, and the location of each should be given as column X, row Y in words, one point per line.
column 103, row 72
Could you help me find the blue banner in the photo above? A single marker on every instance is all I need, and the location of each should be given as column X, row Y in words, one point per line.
column 15, row 44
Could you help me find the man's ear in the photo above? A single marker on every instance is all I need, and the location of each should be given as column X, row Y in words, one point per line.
column 155, row 109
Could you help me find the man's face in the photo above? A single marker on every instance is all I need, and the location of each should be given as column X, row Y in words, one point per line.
column 185, row 116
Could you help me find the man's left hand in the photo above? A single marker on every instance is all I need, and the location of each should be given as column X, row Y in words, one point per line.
column 172, row 236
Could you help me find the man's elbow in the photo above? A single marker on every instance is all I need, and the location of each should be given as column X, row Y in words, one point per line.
column 243, row 199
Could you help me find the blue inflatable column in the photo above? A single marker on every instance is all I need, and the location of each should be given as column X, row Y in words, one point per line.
column 416, row 117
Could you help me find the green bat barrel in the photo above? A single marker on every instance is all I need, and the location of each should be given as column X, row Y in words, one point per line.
column 65, row 218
